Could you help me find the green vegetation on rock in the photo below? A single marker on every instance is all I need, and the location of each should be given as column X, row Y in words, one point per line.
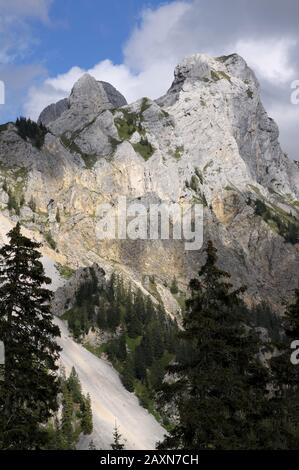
column 145, row 104
column 218, row 75
column 50, row 240
column 199, row 175
column 128, row 124
column 70, row 144
column 144, row 148
column 14, row 184
column 280, row 221
column 65, row 271
column 177, row 153
column 194, row 185
column 131, row 122
column 4, row 127
column 174, row 286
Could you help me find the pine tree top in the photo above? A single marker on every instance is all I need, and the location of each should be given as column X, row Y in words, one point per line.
column 117, row 444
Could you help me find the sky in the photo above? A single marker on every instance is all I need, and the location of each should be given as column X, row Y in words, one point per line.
column 46, row 45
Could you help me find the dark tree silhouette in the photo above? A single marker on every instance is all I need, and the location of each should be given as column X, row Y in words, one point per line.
column 28, row 391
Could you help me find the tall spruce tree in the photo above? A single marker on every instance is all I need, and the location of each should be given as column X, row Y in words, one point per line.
column 219, row 390
column 127, row 376
column 29, row 388
column 67, row 418
column 74, row 386
column 86, row 420
column 285, row 382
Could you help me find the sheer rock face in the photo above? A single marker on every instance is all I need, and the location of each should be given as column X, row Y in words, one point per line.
column 208, row 139
column 87, row 100
column 53, row 112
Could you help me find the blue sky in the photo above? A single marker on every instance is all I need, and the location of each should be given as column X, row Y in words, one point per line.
column 46, row 45
column 83, row 32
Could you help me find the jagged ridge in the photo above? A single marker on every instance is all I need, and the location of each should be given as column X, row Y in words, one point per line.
column 208, row 139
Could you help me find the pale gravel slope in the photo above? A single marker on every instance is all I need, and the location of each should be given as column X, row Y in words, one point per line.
column 110, row 400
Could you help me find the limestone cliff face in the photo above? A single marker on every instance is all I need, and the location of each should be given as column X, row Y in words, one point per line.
column 208, row 140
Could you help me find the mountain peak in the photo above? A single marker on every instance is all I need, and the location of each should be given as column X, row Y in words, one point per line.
column 88, row 98
column 86, row 85
column 209, row 140
column 205, row 68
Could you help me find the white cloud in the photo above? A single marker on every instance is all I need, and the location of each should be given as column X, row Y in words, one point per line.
column 287, row 115
column 269, row 58
column 159, row 37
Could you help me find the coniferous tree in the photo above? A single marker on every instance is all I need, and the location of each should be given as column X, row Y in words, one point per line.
column 32, row 204
column 121, row 348
column 67, row 417
column 285, row 382
column 28, row 129
column 101, row 317
column 156, row 375
column 134, row 324
column 292, row 319
column 127, row 376
column 13, row 203
column 157, row 340
column 117, row 437
column 113, row 316
column 86, row 421
column 150, row 310
column 111, row 287
column 28, row 391
column 139, row 307
column 146, row 348
column 4, row 185
column 174, row 286
column 58, row 219
column 56, row 439
column 140, row 365
column 92, row 446
column 219, row 390
column 74, row 386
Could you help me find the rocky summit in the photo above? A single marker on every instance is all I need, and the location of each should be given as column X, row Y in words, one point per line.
column 208, row 139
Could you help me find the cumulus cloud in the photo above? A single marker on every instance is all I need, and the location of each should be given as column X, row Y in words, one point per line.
column 159, row 37
column 265, row 35
column 270, row 59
